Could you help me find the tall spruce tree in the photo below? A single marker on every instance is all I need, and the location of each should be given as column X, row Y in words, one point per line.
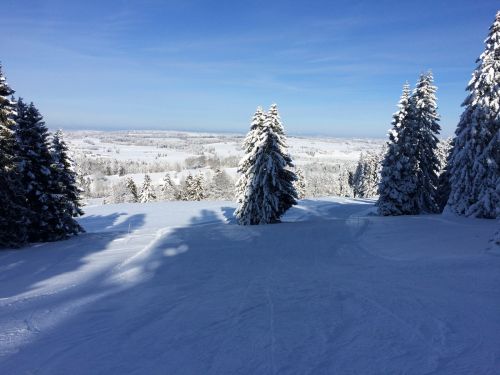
column 198, row 188
column 366, row 176
column 444, row 187
column 345, row 179
column 133, row 196
column 118, row 193
column 147, row 191
column 423, row 121
column 222, row 186
column 13, row 211
column 300, row 183
column 187, row 191
column 66, row 180
column 397, row 184
column 269, row 181
column 168, row 190
column 249, row 143
column 475, row 158
column 48, row 211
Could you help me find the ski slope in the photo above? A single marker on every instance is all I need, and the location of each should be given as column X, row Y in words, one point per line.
column 179, row 288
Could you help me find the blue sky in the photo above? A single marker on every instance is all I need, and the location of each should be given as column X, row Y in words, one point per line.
column 334, row 67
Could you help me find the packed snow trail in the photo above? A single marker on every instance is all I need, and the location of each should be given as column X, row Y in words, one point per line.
column 179, row 288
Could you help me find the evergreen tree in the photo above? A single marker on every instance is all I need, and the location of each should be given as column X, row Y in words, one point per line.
column 358, row 176
column 51, row 217
column 187, row 193
column 268, row 182
column 475, row 158
column 193, row 188
column 273, row 120
column 133, row 196
column 13, row 211
column 147, row 191
column 66, row 180
column 300, row 184
column 198, row 188
column 119, row 192
column 345, row 189
column 222, row 186
column 168, row 190
column 84, row 184
column 443, row 153
column 366, row 177
column 409, row 175
column 397, row 182
column 443, row 189
column 423, row 120
column 249, row 143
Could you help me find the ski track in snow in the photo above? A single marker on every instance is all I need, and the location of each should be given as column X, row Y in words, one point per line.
column 179, row 288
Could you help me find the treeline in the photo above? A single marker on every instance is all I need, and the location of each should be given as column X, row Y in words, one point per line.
column 317, row 180
column 39, row 198
column 191, row 188
column 342, row 179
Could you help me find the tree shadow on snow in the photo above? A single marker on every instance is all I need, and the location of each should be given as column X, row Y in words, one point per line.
column 228, row 213
column 190, row 263
column 310, row 210
column 190, row 295
column 65, row 256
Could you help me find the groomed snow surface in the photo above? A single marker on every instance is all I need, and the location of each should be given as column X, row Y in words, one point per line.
column 180, row 288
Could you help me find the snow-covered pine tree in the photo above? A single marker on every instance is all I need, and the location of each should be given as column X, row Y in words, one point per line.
column 248, row 147
column 300, row 183
column 222, row 186
column 443, row 190
column 186, row 192
column 269, row 182
column 366, row 177
column 273, row 120
column 475, row 158
column 168, row 190
column 84, row 184
column 357, row 179
column 147, row 191
column 423, row 120
column 51, row 217
column 198, row 188
column 372, row 174
column 443, row 153
column 119, row 192
column 13, row 211
column 398, row 183
column 66, row 180
column 132, row 195
column 345, row 189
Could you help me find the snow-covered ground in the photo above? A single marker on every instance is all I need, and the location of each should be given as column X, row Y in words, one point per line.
column 174, row 147
column 179, row 288
column 104, row 158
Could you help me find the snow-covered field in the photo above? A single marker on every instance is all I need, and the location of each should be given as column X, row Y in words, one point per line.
column 106, row 159
column 175, row 146
column 179, row 288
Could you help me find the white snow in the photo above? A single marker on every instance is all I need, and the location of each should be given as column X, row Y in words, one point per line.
column 177, row 146
column 179, row 288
